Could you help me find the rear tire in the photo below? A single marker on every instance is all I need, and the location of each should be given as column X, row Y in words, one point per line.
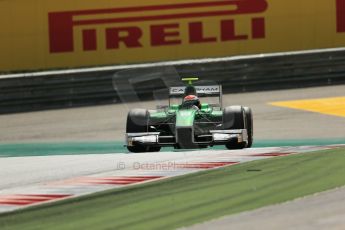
column 138, row 122
column 234, row 118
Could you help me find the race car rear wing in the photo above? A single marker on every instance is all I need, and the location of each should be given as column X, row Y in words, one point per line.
column 201, row 90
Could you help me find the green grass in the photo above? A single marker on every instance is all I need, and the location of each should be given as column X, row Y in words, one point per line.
column 190, row 199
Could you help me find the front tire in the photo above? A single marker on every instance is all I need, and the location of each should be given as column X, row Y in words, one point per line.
column 234, row 118
column 138, row 122
column 249, row 124
column 138, row 148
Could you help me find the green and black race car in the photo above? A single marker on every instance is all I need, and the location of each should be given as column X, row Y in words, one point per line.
column 189, row 123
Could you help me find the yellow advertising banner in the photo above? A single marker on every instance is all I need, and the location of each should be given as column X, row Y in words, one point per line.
column 52, row 34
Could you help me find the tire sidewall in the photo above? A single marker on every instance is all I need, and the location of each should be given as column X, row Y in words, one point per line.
column 249, row 126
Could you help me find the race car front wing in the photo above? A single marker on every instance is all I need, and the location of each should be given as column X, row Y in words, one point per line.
column 215, row 137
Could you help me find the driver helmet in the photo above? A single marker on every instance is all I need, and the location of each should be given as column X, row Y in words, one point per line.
column 190, row 90
column 193, row 99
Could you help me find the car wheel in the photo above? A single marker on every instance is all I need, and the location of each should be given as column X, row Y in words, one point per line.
column 137, row 122
column 234, row 118
column 138, row 149
column 154, row 149
column 249, row 123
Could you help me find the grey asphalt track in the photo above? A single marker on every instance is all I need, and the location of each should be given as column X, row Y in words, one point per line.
column 324, row 211
column 106, row 123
